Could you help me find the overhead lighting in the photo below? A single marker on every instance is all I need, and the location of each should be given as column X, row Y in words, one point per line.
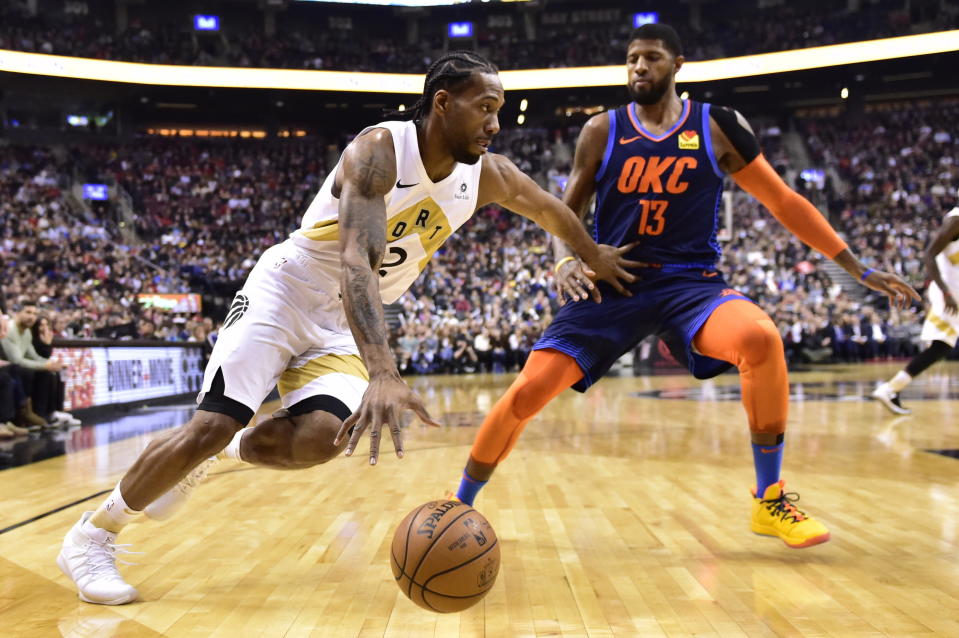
column 521, row 119
column 523, row 104
column 684, row 95
column 844, row 93
column 410, row 83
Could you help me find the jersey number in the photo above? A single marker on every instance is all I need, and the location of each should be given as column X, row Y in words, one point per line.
column 400, row 258
column 657, row 208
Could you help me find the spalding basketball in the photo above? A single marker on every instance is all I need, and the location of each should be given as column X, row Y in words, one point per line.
column 445, row 556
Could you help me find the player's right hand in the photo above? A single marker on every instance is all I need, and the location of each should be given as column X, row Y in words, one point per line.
column 384, row 399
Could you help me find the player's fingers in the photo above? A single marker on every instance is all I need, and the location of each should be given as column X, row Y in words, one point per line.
column 625, row 276
column 574, row 290
column 597, row 297
column 622, row 250
column 615, row 283
column 396, row 433
column 629, row 263
column 589, row 272
column 347, row 424
column 375, row 430
column 420, row 410
column 361, row 424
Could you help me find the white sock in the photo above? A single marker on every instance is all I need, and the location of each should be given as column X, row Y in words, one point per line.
column 114, row 514
column 900, row 381
column 232, row 450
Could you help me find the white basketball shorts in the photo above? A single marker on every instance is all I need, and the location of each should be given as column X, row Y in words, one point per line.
column 939, row 325
column 285, row 328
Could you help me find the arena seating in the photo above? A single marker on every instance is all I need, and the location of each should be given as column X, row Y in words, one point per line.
column 206, row 210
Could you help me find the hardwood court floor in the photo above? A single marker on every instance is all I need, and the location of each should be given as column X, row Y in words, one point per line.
column 619, row 515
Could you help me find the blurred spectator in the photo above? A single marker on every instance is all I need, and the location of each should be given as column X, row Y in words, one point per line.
column 42, row 337
column 37, row 374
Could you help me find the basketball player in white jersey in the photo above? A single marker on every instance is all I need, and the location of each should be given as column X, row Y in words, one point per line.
column 941, row 326
column 309, row 318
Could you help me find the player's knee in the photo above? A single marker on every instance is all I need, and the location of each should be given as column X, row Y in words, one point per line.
column 208, row 432
column 528, row 397
column 314, row 441
column 759, row 342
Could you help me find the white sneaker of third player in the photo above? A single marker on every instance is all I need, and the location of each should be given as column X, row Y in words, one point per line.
column 88, row 558
column 168, row 504
column 65, row 418
column 884, row 394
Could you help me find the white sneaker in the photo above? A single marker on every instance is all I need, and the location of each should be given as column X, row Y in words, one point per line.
column 88, row 558
column 65, row 418
column 170, row 502
column 884, row 394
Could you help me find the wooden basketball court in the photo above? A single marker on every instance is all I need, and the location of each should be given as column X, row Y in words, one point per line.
column 623, row 512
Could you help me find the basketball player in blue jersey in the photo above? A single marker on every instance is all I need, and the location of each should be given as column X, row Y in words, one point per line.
column 656, row 167
column 309, row 318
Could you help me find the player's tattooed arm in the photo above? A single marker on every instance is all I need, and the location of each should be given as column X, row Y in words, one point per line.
column 947, row 234
column 367, row 176
column 503, row 183
column 368, row 172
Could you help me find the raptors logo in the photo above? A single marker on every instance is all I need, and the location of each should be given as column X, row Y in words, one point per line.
column 241, row 303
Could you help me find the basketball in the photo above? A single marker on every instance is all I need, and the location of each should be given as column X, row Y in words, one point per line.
column 445, row 556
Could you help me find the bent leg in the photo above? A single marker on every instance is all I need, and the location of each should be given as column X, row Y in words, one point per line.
column 170, row 457
column 546, row 374
column 741, row 333
column 292, row 442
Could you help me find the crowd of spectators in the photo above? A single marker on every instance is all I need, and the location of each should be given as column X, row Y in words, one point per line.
column 207, row 210
column 562, row 37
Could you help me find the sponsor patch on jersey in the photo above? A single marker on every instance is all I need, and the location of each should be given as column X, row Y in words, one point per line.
column 689, row 140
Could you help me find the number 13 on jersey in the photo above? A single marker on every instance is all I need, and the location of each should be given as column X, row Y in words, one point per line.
column 651, row 220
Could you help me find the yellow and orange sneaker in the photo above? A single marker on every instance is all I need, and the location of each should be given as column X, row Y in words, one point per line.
column 775, row 515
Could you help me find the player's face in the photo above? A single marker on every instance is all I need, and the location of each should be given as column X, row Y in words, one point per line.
column 472, row 117
column 650, row 70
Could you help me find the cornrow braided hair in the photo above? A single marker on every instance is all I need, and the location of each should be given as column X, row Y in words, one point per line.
column 449, row 72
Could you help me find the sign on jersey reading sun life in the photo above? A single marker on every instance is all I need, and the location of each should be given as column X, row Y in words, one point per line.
column 106, row 375
column 410, row 83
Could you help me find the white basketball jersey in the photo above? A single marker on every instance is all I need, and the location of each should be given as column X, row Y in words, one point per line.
column 948, row 260
column 420, row 215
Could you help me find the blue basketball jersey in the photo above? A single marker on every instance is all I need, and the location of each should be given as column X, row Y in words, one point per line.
column 662, row 191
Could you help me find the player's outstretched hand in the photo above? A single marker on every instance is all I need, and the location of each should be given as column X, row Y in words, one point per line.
column 900, row 294
column 610, row 266
column 384, row 399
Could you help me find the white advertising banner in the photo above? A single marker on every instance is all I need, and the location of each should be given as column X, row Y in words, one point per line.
column 106, row 375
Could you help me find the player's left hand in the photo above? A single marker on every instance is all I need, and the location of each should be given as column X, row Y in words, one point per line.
column 384, row 399
column 610, row 266
column 901, row 295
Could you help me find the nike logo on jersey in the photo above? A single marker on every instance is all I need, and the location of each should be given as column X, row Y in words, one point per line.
column 624, row 140
column 399, row 185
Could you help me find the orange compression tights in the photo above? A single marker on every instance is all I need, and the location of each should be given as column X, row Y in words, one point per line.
column 546, row 374
column 741, row 333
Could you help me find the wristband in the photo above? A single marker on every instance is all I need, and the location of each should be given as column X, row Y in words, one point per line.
column 865, row 274
column 559, row 264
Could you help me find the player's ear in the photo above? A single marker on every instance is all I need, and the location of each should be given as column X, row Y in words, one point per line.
column 678, row 63
column 441, row 101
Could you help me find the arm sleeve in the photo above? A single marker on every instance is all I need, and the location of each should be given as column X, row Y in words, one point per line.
column 792, row 209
